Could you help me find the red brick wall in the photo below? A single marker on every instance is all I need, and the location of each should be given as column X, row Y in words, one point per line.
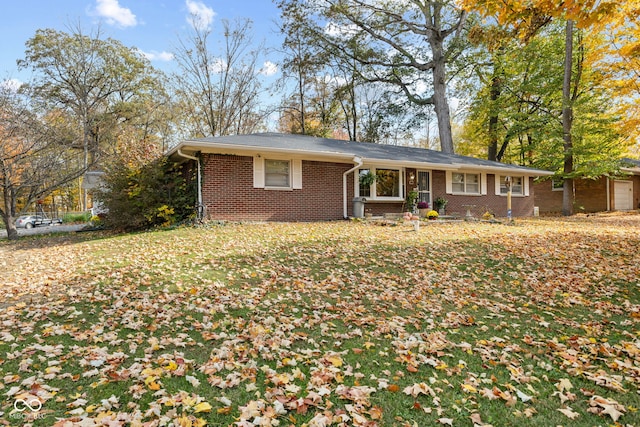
column 495, row 204
column 590, row 195
column 228, row 192
column 546, row 199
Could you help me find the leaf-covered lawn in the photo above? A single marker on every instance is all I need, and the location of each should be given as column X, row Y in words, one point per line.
column 325, row 324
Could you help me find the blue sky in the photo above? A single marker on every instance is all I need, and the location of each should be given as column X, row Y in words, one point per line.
column 153, row 26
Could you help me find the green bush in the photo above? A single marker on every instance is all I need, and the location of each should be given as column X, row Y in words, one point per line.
column 158, row 194
column 76, row 217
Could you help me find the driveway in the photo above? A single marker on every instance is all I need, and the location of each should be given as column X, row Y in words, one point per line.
column 58, row 228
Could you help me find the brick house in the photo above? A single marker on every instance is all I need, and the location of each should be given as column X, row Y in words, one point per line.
column 282, row 177
column 594, row 195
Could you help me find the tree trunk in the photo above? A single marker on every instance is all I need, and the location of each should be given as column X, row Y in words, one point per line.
column 567, row 121
column 493, row 120
column 440, row 103
column 10, row 225
column 494, row 94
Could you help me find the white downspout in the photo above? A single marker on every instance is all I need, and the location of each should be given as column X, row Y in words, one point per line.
column 608, row 183
column 199, row 185
column 358, row 162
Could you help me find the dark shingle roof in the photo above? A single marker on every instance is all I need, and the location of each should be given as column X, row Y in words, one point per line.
column 367, row 151
column 632, row 163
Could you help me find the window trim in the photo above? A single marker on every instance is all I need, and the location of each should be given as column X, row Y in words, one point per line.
column 525, row 186
column 288, row 185
column 260, row 173
column 482, row 183
column 374, row 196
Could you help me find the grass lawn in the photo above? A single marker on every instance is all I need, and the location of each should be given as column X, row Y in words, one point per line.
column 325, row 324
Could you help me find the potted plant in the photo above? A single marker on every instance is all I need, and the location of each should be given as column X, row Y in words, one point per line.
column 412, row 198
column 432, row 215
column 423, row 207
column 367, row 179
column 440, row 204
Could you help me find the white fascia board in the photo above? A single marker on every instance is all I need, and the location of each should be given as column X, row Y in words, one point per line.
column 408, row 164
column 505, row 170
column 632, row 171
column 251, row 150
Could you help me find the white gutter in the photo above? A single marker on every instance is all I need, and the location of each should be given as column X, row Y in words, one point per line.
column 358, row 162
column 199, row 188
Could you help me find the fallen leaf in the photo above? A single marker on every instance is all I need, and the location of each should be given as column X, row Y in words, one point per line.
column 569, row 412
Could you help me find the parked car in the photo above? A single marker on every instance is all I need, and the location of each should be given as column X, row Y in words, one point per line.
column 30, row 221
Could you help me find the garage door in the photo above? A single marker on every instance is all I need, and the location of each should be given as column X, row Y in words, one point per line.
column 623, row 196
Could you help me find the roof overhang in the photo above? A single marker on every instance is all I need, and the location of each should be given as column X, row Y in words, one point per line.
column 191, row 147
column 194, row 146
column 632, row 171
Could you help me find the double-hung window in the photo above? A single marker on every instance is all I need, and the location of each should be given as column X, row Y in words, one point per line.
column 277, row 173
column 465, row 183
column 517, row 186
column 365, row 189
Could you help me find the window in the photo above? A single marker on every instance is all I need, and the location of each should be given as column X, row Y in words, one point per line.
column 387, row 184
column 468, row 183
column 517, row 186
column 557, row 184
column 365, row 190
column 277, row 173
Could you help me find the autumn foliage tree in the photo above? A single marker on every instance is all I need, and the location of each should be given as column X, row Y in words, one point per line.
column 525, row 17
column 35, row 157
column 98, row 83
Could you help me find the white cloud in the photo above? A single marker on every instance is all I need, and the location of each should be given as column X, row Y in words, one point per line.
column 11, row 85
column 158, row 56
column 268, row 69
column 200, row 15
column 115, row 14
column 336, row 30
column 218, row 66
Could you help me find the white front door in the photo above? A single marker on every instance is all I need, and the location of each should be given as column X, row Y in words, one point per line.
column 623, row 195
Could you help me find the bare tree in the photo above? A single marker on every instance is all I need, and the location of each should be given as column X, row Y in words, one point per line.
column 303, row 61
column 219, row 93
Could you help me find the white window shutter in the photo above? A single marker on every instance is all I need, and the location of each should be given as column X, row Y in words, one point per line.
column 526, row 185
column 449, row 182
column 498, row 177
column 483, row 184
column 296, row 166
column 258, row 172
